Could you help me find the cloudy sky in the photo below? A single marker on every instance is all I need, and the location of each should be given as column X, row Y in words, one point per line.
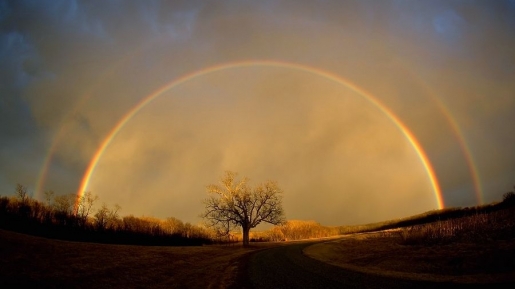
column 337, row 101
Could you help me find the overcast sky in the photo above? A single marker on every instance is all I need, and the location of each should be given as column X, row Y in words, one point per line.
column 71, row 70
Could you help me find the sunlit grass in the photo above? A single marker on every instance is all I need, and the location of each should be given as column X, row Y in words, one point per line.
column 473, row 248
column 481, row 227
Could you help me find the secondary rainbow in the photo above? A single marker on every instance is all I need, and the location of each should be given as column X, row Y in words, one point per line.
column 465, row 149
column 66, row 121
column 264, row 63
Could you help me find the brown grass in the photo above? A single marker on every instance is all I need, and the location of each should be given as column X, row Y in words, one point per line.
column 478, row 228
column 457, row 262
column 40, row 262
column 478, row 249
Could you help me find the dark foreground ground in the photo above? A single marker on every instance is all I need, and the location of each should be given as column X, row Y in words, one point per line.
column 35, row 262
column 288, row 267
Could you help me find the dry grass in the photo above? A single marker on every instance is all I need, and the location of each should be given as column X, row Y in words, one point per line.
column 425, row 218
column 477, row 249
column 457, row 262
column 40, row 262
column 478, row 228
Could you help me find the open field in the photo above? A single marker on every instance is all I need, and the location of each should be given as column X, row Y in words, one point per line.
column 465, row 245
column 384, row 254
column 28, row 260
column 473, row 249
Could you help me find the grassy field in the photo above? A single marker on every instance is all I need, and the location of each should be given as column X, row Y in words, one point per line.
column 425, row 218
column 48, row 263
column 458, row 262
column 477, row 247
column 472, row 249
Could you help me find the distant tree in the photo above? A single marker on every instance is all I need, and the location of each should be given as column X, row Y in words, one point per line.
column 233, row 203
column 107, row 218
column 509, row 198
column 64, row 204
column 21, row 193
column 84, row 205
column 63, row 209
column 23, row 205
column 49, row 195
column 154, row 226
column 101, row 217
column 173, row 225
column 114, row 221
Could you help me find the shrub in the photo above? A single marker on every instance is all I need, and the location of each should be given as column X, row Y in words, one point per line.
column 509, row 198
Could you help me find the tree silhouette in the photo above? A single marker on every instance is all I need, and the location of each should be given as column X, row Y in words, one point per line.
column 69, row 217
column 106, row 218
column 84, row 205
column 49, row 195
column 509, row 198
column 233, row 203
column 21, row 193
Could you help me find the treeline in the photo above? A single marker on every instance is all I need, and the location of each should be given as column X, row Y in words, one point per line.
column 294, row 230
column 71, row 217
column 432, row 216
column 299, row 230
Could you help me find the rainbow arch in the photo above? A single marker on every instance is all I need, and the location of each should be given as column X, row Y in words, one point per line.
column 65, row 126
column 456, row 129
column 473, row 171
column 465, row 149
column 264, row 63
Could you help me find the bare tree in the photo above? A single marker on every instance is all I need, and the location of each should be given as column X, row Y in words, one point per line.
column 64, row 203
column 84, row 205
column 49, row 195
column 101, row 217
column 63, row 209
column 113, row 218
column 233, row 203
column 107, row 218
column 173, row 225
column 21, row 192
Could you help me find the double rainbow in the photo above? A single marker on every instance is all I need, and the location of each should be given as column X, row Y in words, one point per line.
column 264, row 63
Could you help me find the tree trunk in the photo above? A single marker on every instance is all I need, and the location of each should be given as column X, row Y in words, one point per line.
column 246, row 230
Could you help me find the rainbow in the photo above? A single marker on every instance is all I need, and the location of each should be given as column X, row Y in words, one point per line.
column 263, row 63
column 473, row 171
column 65, row 124
column 466, row 151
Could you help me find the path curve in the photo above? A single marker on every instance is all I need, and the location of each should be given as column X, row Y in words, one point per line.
column 287, row 267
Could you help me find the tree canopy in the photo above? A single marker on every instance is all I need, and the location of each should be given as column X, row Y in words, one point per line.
column 234, row 203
